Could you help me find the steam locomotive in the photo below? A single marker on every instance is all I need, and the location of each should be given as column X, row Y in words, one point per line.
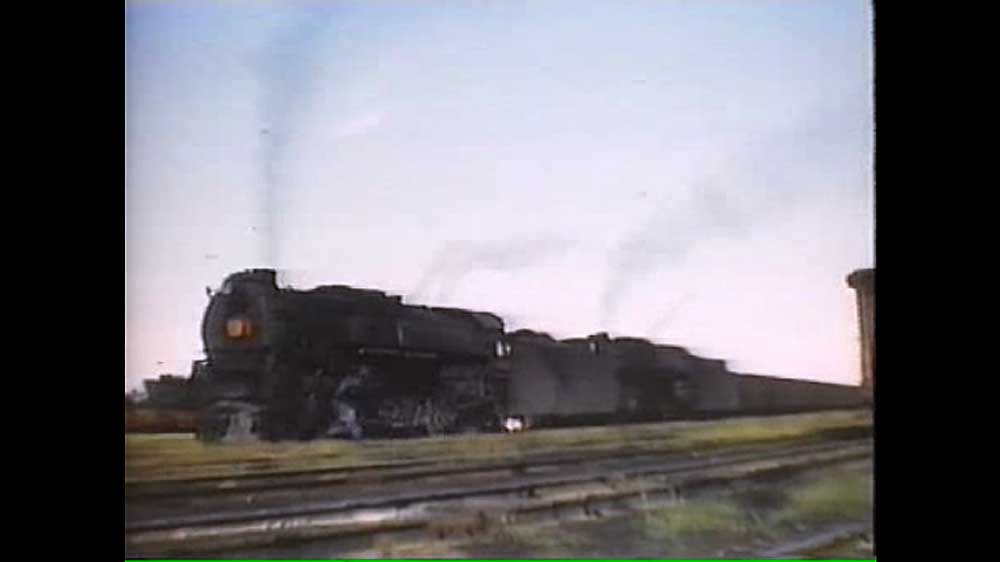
column 338, row 361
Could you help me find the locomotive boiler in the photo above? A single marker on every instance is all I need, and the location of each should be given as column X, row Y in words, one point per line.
column 285, row 363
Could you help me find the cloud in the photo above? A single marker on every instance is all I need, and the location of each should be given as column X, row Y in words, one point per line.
column 359, row 125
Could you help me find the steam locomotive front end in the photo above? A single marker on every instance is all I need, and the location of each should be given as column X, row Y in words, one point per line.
column 238, row 332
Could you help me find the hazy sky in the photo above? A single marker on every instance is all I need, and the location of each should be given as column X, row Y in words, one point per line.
column 695, row 172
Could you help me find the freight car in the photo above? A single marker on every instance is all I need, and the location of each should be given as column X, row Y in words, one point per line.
column 285, row 363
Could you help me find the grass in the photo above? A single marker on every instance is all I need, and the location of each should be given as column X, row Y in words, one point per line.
column 843, row 495
column 539, row 542
column 164, row 457
column 717, row 524
column 697, row 518
column 768, row 512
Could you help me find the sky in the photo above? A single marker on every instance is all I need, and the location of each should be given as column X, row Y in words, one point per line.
column 698, row 173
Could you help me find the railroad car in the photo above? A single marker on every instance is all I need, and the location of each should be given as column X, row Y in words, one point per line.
column 333, row 361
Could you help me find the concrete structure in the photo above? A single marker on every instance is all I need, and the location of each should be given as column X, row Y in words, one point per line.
column 863, row 282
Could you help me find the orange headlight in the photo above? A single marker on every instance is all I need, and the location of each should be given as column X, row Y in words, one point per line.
column 237, row 328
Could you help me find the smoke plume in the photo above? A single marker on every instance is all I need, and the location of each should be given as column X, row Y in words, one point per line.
column 767, row 181
column 458, row 259
column 287, row 69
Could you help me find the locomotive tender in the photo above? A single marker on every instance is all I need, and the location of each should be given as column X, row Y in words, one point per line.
column 339, row 361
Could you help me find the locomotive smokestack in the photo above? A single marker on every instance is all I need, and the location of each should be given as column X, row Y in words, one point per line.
column 863, row 282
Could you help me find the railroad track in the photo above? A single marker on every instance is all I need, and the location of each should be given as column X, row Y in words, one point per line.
column 383, row 473
column 182, row 460
column 439, row 501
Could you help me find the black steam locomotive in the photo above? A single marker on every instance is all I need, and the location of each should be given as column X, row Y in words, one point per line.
column 339, row 361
